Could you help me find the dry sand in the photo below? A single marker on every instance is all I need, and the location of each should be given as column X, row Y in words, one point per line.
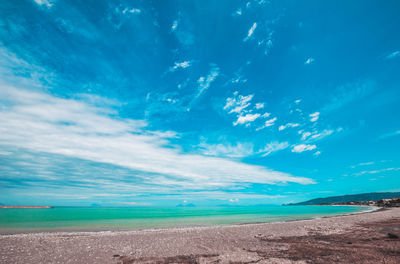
column 358, row 238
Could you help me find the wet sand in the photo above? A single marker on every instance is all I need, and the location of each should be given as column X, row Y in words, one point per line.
column 358, row 238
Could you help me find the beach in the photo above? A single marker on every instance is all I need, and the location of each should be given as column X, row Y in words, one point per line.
column 359, row 238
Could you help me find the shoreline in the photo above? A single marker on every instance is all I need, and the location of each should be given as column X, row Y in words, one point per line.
column 24, row 207
column 27, row 231
column 344, row 239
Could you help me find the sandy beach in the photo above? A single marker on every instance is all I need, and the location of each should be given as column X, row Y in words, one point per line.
column 357, row 238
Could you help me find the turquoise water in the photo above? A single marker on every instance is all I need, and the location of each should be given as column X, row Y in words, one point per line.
column 124, row 218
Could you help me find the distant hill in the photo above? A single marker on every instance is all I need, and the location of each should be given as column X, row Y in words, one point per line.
column 351, row 198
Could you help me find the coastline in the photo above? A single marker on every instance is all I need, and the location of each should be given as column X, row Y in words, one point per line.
column 276, row 242
column 20, row 231
column 24, row 207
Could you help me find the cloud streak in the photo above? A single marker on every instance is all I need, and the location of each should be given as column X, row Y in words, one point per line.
column 393, row 55
column 246, row 119
column 274, row 146
column 43, row 123
column 238, row 103
column 250, row 32
column 303, row 147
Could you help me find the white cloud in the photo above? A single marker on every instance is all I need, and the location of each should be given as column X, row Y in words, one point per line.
column 395, row 133
column 362, row 164
column 203, row 84
column 317, row 153
column 180, row 65
column 309, row 61
column 303, row 147
column 238, row 12
column 42, row 123
column 238, row 79
column 305, row 135
column 235, row 200
column 251, row 31
column 237, row 103
column 259, row 105
column 270, row 122
column 274, row 146
column 246, row 119
column 324, row 133
column 316, row 135
column 393, row 55
column 376, row 171
column 174, row 25
column 46, row 3
column 314, row 116
column 131, row 11
column 283, row 127
column 227, row 150
column 298, row 101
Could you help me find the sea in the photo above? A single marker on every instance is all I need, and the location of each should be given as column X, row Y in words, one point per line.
column 136, row 218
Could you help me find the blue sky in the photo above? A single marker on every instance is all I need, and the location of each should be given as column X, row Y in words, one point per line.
column 210, row 102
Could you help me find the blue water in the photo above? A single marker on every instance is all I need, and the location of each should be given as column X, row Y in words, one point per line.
column 130, row 218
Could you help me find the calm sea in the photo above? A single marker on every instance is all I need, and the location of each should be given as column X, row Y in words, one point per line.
column 131, row 218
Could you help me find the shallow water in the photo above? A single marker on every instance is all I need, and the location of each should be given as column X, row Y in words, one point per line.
column 128, row 218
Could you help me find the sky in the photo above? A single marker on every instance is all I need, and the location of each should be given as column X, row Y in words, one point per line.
column 155, row 103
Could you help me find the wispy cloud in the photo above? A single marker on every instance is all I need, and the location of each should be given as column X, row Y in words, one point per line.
column 250, row 32
column 321, row 135
column 317, row 135
column 204, row 83
column 174, row 25
column 304, row 134
column 238, row 12
column 393, row 55
column 46, row 3
column 237, row 103
column 180, row 65
column 375, row 171
column 246, row 119
column 259, row 105
column 283, row 127
column 43, row 123
column 303, row 147
column 309, row 61
column 391, row 134
column 268, row 123
column 314, row 116
column 273, row 147
column 227, row 150
column 317, row 153
column 362, row 164
column 120, row 14
column 349, row 93
column 128, row 10
column 182, row 28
